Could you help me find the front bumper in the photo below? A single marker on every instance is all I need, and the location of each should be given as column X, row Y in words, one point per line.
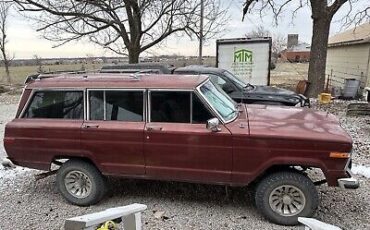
column 304, row 101
column 348, row 183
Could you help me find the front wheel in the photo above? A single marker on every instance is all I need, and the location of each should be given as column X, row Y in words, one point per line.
column 282, row 197
column 81, row 183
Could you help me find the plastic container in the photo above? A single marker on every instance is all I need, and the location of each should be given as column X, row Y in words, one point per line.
column 336, row 92
column 351, row 88
column 324, row 98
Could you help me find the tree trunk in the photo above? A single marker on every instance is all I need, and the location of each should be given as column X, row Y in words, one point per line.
column 6, row 65
column 200, row 56
column 319, row 44
column 133, row 55
column 7, row 72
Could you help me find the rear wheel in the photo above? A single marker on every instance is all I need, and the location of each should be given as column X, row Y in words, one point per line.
column 81, row 183
column 282, row 197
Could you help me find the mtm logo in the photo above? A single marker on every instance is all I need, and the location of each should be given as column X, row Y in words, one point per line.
column 243, row 56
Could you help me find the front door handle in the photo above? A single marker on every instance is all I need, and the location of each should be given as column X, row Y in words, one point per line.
column 154, row 128
column 90, row 126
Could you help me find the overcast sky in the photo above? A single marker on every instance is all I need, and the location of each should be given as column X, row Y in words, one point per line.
column 25, row 42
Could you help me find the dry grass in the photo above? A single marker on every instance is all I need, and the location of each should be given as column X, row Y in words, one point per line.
column 19, row 73
column 287, row 75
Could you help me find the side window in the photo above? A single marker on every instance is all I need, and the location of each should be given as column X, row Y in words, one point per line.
column 200, row 113
column 56, row 104
column 96, row 102
column 116, row 105
column 217, row 79
column 170, row 107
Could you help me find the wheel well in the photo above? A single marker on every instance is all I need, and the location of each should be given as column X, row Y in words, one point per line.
column 278, row 168
column 59, row 160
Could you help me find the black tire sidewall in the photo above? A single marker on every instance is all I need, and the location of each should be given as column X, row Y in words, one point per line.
column 98, row 186
column 302, row 182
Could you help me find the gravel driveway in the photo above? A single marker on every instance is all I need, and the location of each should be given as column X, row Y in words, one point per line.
column 29, row 204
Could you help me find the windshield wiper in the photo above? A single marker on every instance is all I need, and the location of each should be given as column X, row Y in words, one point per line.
column 248, row 87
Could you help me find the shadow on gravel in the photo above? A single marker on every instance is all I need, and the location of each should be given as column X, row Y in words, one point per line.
column 144, row 190
column 180, row 191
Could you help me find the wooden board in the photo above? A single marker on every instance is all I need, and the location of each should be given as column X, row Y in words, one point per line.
column 358, row 109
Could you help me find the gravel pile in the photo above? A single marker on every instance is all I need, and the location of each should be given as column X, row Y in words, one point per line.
column 358, row 127
column 29, row 204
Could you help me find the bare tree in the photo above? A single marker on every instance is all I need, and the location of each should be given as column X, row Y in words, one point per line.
column 322, row 12
column 209, row 21
column 126, row 27
column 4, row 13
column 279, row 43
column 278, row 40
column 259, row 32
column 38, row 62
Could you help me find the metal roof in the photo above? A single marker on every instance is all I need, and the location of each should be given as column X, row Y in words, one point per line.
column 357, row 35
column 302, row 47
column 163, row 68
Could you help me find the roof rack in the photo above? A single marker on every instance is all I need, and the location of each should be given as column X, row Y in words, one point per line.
column 39, row 76
column 33, row 77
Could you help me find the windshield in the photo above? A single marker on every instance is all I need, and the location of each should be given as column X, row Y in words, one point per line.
column 219, row 100
column 235, row 79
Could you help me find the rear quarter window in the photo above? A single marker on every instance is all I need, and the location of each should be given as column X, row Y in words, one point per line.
column 56, row 104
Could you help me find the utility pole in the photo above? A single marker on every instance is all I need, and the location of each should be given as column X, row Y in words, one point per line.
column 200, row 62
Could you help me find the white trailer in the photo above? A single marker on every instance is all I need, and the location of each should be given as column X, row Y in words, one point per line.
column 247, row 58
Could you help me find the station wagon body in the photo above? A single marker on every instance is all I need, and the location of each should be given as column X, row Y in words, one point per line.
column 155, row 127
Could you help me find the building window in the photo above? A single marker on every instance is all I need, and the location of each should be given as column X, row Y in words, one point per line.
column 56, row 104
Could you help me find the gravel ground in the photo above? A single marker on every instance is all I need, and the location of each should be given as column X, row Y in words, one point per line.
column 29, row 204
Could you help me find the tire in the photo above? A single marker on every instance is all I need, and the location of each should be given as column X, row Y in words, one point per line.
column 69, row 178
column 284, row 196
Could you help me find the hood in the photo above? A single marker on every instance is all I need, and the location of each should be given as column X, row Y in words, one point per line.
column 261, row 89
column 295, row 123
column 273, row 94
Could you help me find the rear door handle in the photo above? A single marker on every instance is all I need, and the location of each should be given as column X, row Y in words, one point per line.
column 154, row 128
column 90, row 126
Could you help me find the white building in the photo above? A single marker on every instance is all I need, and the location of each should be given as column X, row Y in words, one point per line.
column 349, row 57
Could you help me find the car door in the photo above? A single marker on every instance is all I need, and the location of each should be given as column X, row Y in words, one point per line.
column 113, row 131
column 177, row 144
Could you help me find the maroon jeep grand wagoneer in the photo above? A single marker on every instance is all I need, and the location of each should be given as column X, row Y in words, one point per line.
column 179, row 128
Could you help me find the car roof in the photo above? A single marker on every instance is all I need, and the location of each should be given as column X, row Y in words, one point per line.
column 199, row 69
column 166, row 69
column 109, row 80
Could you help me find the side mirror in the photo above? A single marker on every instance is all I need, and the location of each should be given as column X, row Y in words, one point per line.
column 228, row 88
column 213, row 124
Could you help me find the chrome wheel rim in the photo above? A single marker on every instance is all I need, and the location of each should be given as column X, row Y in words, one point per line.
column 287, row 200
column 78, row 184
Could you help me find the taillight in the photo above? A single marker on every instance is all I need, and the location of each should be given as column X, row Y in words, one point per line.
column 9, row 140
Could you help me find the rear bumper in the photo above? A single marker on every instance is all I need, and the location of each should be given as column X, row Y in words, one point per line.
column 349, row 182
column 7, row 163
